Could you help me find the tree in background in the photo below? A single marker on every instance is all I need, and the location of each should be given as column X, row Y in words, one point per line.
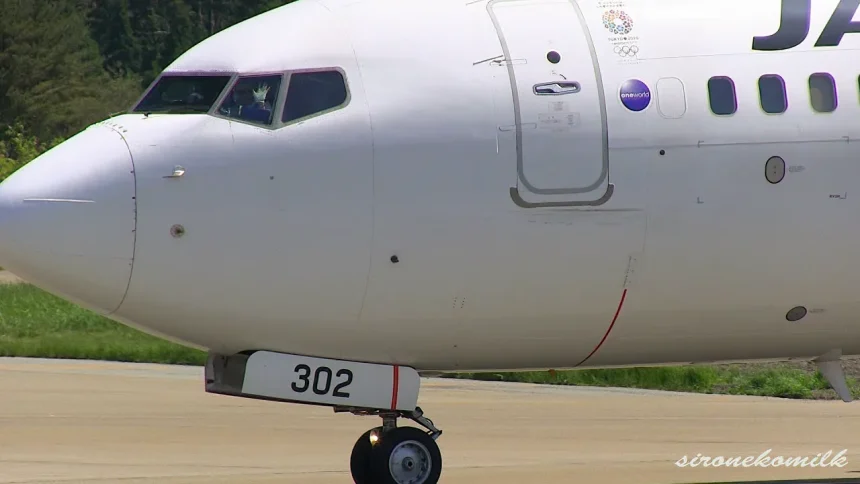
column 65, row 64
column 144, row 36
column 111, row 28
column 52, row 83
column 17, row 148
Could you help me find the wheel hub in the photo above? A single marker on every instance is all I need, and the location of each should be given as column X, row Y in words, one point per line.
column 410, row 463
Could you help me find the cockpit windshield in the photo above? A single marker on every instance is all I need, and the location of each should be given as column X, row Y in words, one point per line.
column 182, row 93
column 252, row 99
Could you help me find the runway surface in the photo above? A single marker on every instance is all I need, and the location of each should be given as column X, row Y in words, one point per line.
column 7, row 277
column 96, row 422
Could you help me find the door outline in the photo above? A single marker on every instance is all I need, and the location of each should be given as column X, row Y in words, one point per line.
column 518, row 120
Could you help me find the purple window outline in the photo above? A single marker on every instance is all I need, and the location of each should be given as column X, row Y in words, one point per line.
column 762, row 93
column 712, row 87
column 832, row 87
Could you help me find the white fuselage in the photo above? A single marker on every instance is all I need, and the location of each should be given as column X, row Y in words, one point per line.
column 654, row 235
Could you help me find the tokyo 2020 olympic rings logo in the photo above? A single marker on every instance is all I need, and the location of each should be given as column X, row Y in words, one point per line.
column 627, row 50
column 617, row 22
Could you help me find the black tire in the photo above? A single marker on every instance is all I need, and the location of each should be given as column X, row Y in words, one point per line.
column 360, row 461
column 389, row 442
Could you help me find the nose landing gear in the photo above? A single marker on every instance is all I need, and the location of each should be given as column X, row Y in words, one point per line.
column 396, row 455
column 383, row 455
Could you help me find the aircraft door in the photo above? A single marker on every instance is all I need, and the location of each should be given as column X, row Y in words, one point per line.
column 559, row 116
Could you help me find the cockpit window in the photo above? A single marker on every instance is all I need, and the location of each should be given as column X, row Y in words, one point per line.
column 313, row 92
column 252, row 99
column 179, row 94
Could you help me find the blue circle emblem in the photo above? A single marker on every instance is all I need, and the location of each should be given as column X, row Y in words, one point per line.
column 635, row 95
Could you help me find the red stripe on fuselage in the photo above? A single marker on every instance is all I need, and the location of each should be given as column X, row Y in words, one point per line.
column 611, row 325
column 395, row 388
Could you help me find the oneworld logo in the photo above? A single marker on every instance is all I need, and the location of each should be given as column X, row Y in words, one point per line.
column 635, row 95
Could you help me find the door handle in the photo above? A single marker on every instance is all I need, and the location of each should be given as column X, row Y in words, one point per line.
column 557, row 88
column 177, row 172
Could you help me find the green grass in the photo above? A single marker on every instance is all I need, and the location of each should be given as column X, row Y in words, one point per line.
column 34, row 323
column 726, row 379
column 37, row 324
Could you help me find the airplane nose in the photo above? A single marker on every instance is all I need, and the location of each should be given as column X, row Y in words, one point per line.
column 67, row 219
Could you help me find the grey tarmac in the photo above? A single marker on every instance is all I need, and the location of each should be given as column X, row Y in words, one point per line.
column 98, row 422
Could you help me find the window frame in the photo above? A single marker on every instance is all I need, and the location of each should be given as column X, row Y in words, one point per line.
column 340, row 106
column 858, row 86
column 734, row 96
column 833, row 84
column 784, row 94
column 215, row 104
column 276, row 108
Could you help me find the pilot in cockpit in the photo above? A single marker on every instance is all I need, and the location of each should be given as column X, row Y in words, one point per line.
column 260, row 109
column 249, row 101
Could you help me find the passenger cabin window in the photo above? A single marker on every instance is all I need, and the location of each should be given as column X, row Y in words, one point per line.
column 771, row 90
column 822, row 92
column 721, row 92
column 252, row 99
column 858, row 82
column 312, row 93
column 671, row 98
column 181, row 93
